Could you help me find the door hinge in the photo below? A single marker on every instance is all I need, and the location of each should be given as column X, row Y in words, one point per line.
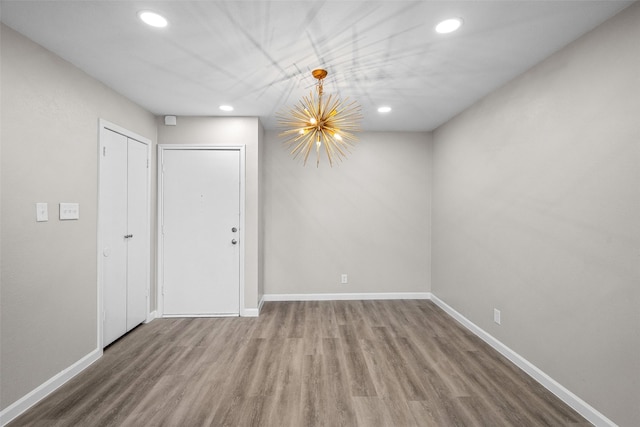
column 147, row 163
column 104, row 151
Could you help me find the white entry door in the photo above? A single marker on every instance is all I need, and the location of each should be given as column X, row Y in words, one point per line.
column 200, row 238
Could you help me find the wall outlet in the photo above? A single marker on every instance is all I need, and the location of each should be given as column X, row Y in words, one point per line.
column 344, row 279
column 496, row 315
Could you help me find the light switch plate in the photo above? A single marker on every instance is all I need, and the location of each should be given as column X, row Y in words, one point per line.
column 69, row 211
column 42, row 212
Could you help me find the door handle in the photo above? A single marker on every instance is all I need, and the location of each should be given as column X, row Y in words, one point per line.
column 234, row 241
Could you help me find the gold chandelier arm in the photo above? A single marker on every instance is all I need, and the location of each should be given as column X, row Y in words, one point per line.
column 298, row 147
column 339, row 149
column 327, row 147
column 309, row 145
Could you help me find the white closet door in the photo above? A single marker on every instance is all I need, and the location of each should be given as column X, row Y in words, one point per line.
column 201, row 210
column 138, row 229
column 124, row 233
column 113, row 218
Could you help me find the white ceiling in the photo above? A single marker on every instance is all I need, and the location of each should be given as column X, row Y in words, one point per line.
column 257, row 55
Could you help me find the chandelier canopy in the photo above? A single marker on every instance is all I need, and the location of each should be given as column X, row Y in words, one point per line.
column 326, row 123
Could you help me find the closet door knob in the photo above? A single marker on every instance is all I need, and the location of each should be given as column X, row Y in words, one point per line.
column 234, row 241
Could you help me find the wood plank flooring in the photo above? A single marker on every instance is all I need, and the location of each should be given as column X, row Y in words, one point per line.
column 330, row 363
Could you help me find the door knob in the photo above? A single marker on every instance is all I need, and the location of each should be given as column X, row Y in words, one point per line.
column 234, row 229
column 234, row 241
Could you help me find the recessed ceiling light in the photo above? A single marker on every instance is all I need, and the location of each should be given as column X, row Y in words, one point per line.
column 153, row 19
column 448, row 25
column 226, row 108
column 384, row 109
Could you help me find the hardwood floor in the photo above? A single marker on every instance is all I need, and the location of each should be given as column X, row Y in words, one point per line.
column 331, row 363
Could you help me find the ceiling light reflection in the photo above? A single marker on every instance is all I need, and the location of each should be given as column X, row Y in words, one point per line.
column 153, row 19
column 448, row 25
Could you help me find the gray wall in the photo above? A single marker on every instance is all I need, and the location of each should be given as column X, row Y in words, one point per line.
column 368, row 217
column 537, row 213
column 49, row 121
column 231, row 131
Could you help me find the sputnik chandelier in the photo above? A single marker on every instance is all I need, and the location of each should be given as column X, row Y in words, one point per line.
column 324, row 123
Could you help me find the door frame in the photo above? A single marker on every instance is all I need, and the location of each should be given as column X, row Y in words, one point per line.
column 105, row 126
column 160, row 242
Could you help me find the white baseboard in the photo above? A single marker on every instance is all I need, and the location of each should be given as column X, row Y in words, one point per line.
column 36, row 395
column 347, row 296
column 250, row 312
column 579, row 405
column 151, row 316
